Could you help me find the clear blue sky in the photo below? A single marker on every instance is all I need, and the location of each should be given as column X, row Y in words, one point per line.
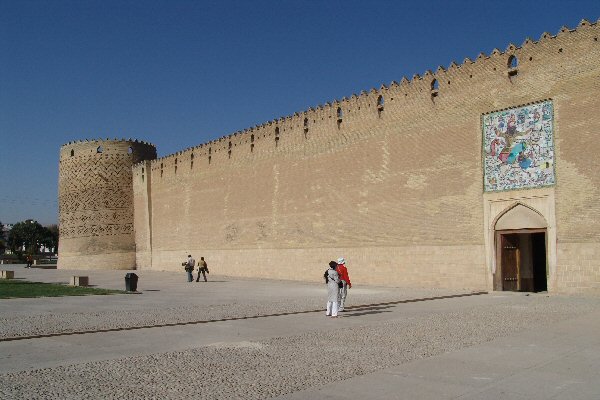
column 180, row 73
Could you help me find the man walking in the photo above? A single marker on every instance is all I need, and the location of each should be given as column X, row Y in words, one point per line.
column 202, row 268
column 345, row 278
column 189, row 267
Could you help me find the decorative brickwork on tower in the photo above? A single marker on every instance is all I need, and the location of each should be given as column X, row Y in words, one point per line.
column 96, row 203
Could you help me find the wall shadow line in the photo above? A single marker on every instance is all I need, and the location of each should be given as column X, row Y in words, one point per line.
column 357, row 308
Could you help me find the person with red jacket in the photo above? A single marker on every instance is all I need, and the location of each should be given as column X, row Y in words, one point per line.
column 345, row 279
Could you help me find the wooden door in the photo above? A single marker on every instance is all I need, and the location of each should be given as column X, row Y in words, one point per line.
column 510, row 262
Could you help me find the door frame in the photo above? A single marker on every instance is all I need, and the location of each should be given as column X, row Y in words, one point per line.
column 497, row 277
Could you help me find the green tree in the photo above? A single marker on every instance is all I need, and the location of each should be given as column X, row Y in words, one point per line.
column 28, row 233
column 51, row 240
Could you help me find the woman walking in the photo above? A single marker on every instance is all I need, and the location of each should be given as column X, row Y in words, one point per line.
column 332, row 280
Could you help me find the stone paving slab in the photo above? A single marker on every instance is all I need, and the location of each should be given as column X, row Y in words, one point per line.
column 438, row 346
column 167, row 298
column 560, row 361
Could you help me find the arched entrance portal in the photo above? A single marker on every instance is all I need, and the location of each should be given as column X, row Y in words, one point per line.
column 521, row 261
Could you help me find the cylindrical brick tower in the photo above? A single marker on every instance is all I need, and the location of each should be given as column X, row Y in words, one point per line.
column 95, row 196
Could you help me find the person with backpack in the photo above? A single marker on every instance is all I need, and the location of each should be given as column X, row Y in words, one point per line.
column 189, row 267
column 332, row 280
column 345, row 278
column 202, row 269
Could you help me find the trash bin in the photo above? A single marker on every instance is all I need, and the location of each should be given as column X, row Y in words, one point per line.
column 131, row 282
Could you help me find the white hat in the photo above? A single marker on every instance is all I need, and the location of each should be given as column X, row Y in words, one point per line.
column 341, row 260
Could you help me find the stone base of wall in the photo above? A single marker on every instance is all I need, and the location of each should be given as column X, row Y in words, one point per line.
column 143, row 260
column 456, row 267
column 117, row 261
column 578, row 268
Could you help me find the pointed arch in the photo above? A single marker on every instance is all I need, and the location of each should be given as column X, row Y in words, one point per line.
column 519, row 216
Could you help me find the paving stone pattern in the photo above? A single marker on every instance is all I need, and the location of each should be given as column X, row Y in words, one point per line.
column 18, row 325
column 281, row 365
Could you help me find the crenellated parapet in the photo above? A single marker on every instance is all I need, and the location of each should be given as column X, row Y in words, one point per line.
column 417, row 96
column 135, row 149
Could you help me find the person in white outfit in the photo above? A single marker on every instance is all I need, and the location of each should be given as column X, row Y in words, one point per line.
column 332, row 279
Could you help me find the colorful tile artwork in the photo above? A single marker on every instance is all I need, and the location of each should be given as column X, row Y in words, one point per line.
column 518, row 147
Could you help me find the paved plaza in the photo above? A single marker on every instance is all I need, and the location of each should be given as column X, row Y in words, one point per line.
column 234, row 338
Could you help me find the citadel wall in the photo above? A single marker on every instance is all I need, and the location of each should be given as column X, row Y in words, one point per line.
column 391, row 179
column 95, row 193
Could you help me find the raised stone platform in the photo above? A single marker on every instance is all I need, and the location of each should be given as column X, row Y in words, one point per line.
column 79, row 281
column 7, row 274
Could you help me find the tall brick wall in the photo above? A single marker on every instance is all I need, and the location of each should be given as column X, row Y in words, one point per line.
column 395, row 185
column 96, row 203
column 390, row 178
column 142, row 206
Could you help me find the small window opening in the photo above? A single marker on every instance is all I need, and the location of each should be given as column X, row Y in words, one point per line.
column 560, row 50
column 340, row 115
column 380, row 102
column 513, row 64
column 72, row 153
column 435, row 87
column 210, row 150
column 130, row 150
column 209, row 158
column 276, row 136
column 251, row 143
column 161, row 170
column 142, row 170
column 99, row 149
column 305, row 127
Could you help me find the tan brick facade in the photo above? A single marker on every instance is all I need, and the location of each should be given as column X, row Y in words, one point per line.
column 96, row 203
column 390, row 179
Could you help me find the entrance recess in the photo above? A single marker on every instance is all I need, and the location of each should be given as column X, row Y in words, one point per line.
column 521, row 260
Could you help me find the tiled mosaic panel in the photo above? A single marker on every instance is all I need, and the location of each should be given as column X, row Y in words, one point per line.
column 518, row 146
